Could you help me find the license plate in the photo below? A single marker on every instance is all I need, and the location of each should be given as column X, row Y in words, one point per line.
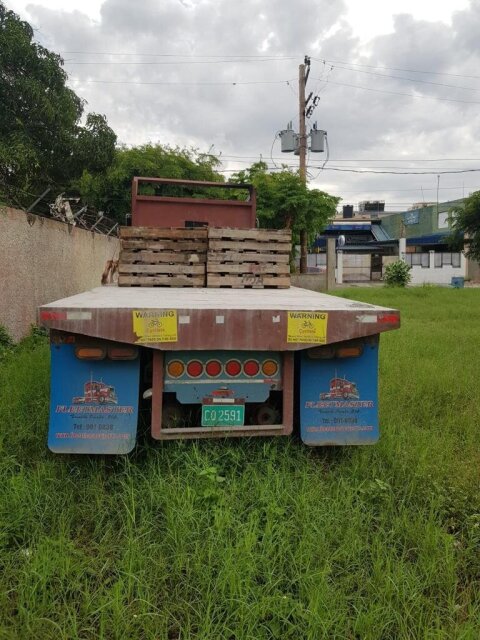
column 232, row 415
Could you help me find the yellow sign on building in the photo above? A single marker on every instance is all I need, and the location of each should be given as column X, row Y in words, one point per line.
column 155, row 326
column 308, row 327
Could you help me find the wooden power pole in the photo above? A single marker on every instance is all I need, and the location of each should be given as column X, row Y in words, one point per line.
column 302, row 149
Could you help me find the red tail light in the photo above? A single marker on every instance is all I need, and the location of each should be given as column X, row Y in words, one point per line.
column 213, row 368
column 233, row 368
column 251, row 368
column 194, row 368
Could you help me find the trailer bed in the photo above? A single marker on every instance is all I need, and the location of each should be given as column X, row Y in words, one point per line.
column 199, row 319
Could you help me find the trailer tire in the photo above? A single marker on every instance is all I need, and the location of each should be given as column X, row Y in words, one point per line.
column 266, row 414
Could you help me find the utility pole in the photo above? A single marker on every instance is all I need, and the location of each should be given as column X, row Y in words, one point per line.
column 302, row 150
column 298, row 143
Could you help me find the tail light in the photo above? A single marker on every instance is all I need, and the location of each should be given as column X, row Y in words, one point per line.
column 269, row 368
column 233, row 368
column 251, row 368
column 213, row 368
column 175, row 368
column 349, row 352
column 122, row 353
column 194, row 368
column 90, row 353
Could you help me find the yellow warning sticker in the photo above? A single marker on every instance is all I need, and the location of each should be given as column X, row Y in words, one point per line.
column 307, row 327
column 155, row 326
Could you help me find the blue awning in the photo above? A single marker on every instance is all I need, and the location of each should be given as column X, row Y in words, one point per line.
column 433, row 238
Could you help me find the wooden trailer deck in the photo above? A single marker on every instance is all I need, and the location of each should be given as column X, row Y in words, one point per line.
column 198, row 319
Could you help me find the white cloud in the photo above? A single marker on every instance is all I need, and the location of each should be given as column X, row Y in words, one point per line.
column 374, row 122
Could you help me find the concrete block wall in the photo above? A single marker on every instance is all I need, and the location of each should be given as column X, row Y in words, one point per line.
column 436, row 275
column 42, row 260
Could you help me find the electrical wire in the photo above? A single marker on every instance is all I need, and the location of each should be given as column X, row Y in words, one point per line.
column 253, row 57
column 382, row 75
column 369, row 66
column 277, row 135
column 401, row 173
column 376, row 159
column 326, row 157
column 392, row 189
column 182, row 83
column 157, row 63
column 397, row 93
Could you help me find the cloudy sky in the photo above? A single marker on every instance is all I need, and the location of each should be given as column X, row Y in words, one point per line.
column 398, row 82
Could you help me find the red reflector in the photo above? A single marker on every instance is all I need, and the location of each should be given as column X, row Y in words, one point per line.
column 388, row 318
column 194, row 368
column 213, row 368
column 53, row 315
column 233, row 367
column 251, row 368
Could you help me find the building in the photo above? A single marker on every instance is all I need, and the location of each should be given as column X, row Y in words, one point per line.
column 373, row 238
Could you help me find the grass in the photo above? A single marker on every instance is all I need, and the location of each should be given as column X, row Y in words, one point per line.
column 258, row 539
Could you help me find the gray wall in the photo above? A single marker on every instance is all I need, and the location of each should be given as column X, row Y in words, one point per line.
column 312, row 281
column 42, row 260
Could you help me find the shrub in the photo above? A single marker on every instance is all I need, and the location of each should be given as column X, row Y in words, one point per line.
column 397, row 274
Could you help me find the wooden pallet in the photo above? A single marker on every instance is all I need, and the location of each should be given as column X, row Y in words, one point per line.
column 162, row 257
column 248, row 258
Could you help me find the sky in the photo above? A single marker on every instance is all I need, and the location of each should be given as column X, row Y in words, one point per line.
column 398, row 83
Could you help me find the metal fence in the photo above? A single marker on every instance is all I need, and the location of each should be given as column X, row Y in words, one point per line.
column 451, row 259
column 441, row 259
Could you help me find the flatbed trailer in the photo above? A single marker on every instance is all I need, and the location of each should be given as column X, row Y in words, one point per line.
column 199, row 362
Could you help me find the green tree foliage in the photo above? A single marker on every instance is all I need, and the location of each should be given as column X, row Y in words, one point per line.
column 465, row 225
column 41, row 140
column 110, row 191
column 284, row 200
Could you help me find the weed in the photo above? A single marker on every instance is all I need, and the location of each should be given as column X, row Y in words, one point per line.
column 258, row 538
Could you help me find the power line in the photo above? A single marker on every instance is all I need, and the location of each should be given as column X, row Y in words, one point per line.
column 182, row 83
column 393, row 190
column 434, row 170
column 157, row 63
column 265, row 57
column 398, row 173
column 397, row 93
column 183, row 55
column 383, row 75
column 369, row 159
column 369, row 66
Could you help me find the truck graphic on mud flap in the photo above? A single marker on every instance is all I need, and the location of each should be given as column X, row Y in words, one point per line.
column 341, row 388
column 97, row 392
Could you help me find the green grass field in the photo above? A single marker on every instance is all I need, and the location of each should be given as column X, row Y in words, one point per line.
column 258, row 539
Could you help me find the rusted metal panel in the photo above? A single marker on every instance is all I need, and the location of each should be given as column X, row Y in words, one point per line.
column 157, row 393
column 162, row 211
column 201, row 329
column 215, row 319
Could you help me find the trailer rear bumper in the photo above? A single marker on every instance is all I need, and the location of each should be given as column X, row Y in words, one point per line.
column 160, row 432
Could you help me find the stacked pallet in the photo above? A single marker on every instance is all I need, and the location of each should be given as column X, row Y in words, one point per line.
column 249, row 258
column 157, row 257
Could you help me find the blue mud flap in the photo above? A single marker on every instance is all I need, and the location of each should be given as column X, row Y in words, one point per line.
column 339, row 399
column 93, row 403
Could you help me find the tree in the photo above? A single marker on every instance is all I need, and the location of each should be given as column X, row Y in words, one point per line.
column 284, row 200
column 465, row 226
column 110, row 191
column 41, row 140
